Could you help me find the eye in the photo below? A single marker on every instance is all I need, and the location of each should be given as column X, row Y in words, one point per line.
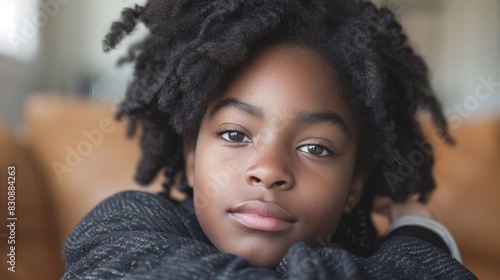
column 234, row 136
column 316, row 150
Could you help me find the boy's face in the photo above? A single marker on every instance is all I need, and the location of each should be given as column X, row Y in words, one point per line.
column 274, row 162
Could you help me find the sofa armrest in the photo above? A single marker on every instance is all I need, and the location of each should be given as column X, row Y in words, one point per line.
column 35, row 251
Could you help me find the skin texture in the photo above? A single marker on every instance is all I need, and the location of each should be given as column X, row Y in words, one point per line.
column 265, row 151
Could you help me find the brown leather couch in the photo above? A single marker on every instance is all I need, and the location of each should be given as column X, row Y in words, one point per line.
column 71, row 154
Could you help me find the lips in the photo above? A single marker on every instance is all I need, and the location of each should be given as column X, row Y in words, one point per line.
column 263, row 216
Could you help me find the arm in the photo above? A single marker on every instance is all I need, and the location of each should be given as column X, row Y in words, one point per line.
column 411, row 244
column 412, row 218
column 137, row 235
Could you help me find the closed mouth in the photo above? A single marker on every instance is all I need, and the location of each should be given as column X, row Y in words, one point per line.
column 262, row 216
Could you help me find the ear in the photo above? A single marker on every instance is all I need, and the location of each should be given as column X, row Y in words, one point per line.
column 357, row 186
column 188, row 150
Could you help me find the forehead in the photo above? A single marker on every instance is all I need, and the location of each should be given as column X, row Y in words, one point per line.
column 286, row 79
column 289, row 63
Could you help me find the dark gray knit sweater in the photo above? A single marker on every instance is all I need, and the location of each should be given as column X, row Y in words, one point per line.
column 136, row 235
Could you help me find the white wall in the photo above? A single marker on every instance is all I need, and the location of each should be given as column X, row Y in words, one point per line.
column 70, row 57
column 16, row 80
column 460, row 40
column 18, row 56
column 73, row 44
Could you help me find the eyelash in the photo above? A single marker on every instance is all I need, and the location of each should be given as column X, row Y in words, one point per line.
column 221, row 133
column 319, row 145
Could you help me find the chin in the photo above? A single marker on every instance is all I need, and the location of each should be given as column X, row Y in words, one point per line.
column 264, row 261
column 267, row 257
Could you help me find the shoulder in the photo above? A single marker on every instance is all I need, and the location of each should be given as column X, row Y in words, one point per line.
column 412, row 256
column 132, row 211
column 137, row 204
column 135, row 201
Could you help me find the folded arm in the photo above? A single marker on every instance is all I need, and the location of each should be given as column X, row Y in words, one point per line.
column 136, row 235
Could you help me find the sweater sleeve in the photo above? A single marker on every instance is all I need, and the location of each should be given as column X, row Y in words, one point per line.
column 428, row 230
column 136, row 235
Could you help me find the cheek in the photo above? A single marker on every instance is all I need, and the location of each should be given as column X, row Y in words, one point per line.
column 323, row 206
column 210, row 200
column 322, row 201
column 321, row 219
column 212, row 183
column 212, row 173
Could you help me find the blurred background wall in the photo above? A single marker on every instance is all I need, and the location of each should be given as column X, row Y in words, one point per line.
column 55, row 45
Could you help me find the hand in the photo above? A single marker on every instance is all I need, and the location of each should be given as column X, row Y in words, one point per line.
column 392, row 210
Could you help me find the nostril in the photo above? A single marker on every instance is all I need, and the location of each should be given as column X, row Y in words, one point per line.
column 256, row 180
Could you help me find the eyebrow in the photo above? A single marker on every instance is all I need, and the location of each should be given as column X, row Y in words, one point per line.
column 331, row 118
column 233, row 102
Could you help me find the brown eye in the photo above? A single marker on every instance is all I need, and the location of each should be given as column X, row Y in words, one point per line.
column 313, row 149
column 235, row 136
column 316, row 150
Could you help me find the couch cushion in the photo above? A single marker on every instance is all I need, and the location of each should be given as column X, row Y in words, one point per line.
column 467, row 200
column 467, row 197
column 84, row 153
column 35, row 250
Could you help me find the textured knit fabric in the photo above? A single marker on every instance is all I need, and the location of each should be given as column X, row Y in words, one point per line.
column 136, row 235
column 433, row 225
column 421, row 233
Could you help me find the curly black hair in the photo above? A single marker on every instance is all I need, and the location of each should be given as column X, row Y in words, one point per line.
column 195, row 47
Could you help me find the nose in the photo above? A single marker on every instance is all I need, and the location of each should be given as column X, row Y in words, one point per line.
column 270, row 168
